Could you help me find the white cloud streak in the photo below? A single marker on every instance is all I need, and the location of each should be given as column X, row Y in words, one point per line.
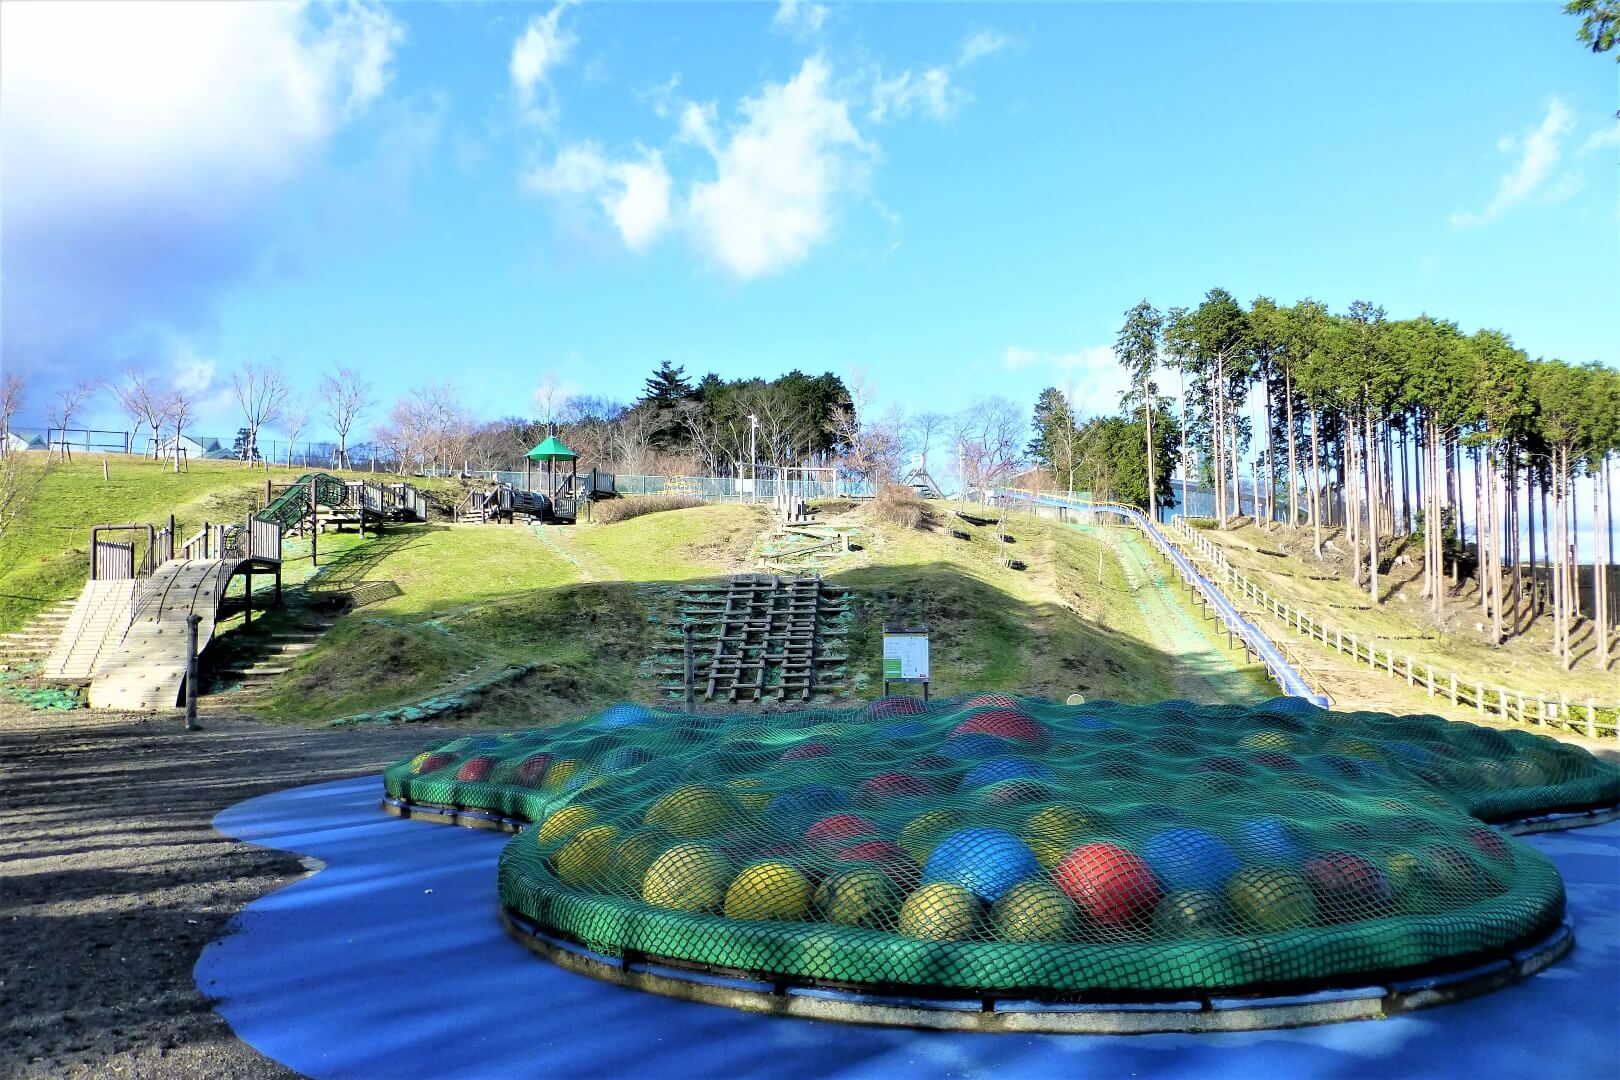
column 544, row 45
column 1538, row 150
column 800, row 18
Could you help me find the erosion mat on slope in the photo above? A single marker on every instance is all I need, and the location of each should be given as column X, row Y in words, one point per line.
column 993, row 845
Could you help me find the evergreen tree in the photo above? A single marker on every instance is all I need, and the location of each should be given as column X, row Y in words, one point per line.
column 1137, row 348
column 666, row 387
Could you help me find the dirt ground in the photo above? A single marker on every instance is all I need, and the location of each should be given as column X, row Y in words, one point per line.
column 112, row 880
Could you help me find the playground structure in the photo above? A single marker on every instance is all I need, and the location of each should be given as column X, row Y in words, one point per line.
column 1006, row 864
column 559, row 501
column 128, row 632
column 760, row 636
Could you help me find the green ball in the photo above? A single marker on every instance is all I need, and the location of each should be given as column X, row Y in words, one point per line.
column 1192, row 913
column 939, row 912
column 1033, row 911
column 770, row 890
column 687, row 877
column 859, row 896
column 1270, row 899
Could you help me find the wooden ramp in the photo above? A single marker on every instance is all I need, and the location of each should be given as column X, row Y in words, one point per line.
column 95, row 627
column 147, row 669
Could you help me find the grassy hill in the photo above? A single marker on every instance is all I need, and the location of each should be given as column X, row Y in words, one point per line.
column 1454, row 640
column 44, row 554
column 588, row 605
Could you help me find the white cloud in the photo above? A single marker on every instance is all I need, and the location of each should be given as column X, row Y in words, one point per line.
column 634, row 194
column 1090, row 377
column 544, row 45
column 800, row 18
column 139, row 140
column 778, row 173
column 1538, row 153
column 981, row 44
column 1604, row 136
column 930, row 92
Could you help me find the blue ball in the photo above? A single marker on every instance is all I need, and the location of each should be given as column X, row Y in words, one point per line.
column 1269, row 839
column 797, row 807
column 623, row 714
column 903, row 730
column 1409, row 753
column 1289, row 706
column 986, row 862
column 1007, row 768
column 625, row 757
column 1186, row 858
column 975, row 744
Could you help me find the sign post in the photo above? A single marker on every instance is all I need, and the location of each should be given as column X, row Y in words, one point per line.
column 905, row 656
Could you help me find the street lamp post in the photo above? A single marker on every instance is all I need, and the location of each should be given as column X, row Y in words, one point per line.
column 753, row 459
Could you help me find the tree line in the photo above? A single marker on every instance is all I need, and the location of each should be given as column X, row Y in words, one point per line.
column 1392, row 430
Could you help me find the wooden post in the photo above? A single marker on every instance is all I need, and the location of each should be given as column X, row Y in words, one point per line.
column 105, row 475
column 191, row 671
column 1591, row 719
column 247, row 609
column 1430, row 670
column 312, row 521
column 1502, row 701
column 691, row 687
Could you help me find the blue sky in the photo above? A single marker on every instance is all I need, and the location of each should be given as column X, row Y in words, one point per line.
column 959, row 199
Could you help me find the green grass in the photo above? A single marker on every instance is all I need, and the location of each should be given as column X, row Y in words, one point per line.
column 1282, row 563
column 44, row 554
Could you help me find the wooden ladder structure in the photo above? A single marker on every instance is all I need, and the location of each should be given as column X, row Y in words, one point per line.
column 764, row 636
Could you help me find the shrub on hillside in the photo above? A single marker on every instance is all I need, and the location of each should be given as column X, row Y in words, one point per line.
column 900, row 505
column 631, row 506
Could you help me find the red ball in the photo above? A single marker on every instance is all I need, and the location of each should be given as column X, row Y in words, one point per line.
column 839, row 827
column 1109, row 883
column 1347, row 886
column 475, row 769
column 896, row 706
column 887, row 857
column 437, row 762
column 1489, row 842
column 896, row 784
column 1004, row 724
column 806, row 750
column 1274, row 759
column 531, row 769
column 996, row 700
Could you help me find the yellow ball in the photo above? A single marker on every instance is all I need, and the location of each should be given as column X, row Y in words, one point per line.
column 1266, row 740
column 633, row 858
column 939, row 912
column 1270, row 899
column 565, row 823
column 1060, row 824
column 770, row 890
column 859, row 896
column 416, row 762
column 687, row 877
column 560, row 773
column 1032, row 911
column 585, row 858
column 693, row 811
column 1047, row 852
column 1359, row 748
column 751, row 799
column 918, row 838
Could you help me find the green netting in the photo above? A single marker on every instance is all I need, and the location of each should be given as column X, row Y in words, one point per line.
column 285, row 509
column 993, row 845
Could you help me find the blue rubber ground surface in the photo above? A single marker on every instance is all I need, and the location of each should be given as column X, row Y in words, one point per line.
column 390, row 963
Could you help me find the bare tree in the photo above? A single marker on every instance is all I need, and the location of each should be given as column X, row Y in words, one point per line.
column 990, row 438
column 260, row 390
column 130, row 394
column 12, row 389
column 294, row 419
column 347, row 396
column 179, row 404
column 60, row 414
column 549, row 398
column 633, row 439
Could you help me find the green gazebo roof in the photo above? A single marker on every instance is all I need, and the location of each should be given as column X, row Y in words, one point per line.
column 552, row 450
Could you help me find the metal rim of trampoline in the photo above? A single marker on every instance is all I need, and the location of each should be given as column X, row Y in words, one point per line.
column 1194, row 1015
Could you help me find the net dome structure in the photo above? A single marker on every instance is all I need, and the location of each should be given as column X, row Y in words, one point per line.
column 998, row 847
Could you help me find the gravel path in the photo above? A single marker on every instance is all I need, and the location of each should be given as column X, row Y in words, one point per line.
column 112, row 880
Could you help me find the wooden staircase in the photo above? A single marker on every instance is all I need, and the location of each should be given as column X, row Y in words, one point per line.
column 34, row 641
column 92, row 630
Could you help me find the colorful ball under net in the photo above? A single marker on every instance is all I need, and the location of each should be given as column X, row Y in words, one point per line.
column 993, row 845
